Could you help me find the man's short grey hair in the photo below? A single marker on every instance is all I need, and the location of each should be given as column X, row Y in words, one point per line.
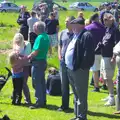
column 40, row 26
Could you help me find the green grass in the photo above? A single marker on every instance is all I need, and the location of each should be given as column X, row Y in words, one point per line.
column 9, row 26
column 97, row 110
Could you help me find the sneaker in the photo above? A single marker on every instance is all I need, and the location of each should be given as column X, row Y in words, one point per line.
column 105, row 99
column 110, row 102
column 96, row 90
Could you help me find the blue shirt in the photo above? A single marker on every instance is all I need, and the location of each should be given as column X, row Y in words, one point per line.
column 65, row 37
column 69, row 53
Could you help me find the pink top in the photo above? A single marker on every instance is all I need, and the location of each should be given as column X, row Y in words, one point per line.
column 19, row 64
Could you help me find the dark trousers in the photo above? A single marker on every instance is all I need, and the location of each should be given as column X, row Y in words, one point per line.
column 25, row 86
column 32, row 37
column 64, row 85
column 17, row 90
column 24, row 32
column 79, row 82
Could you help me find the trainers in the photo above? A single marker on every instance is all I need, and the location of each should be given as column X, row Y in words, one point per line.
column 96, row 90
column 105, row 99
column 110, row 102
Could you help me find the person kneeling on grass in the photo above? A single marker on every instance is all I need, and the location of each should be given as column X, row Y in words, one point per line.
column 17, row 62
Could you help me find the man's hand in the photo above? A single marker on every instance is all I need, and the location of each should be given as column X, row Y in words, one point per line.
column 113, row 60
column 59, row 57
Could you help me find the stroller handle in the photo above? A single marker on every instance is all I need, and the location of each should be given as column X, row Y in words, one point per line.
column 9, row 73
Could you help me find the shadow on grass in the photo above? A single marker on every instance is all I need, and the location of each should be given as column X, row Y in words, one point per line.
column 55, row 108
column 103, row 115
column 51, row 107
column 5, row 103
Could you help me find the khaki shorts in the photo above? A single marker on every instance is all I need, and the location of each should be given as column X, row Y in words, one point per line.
column 97, row 62
column 107, row 68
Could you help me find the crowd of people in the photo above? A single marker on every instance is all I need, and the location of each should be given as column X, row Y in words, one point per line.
column 86, row 44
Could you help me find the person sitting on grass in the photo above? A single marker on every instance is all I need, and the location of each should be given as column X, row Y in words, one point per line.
column 17, row 62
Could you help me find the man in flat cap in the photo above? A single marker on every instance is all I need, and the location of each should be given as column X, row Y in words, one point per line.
column 79, row 58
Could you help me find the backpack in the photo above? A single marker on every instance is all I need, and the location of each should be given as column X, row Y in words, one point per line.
column 54, row 84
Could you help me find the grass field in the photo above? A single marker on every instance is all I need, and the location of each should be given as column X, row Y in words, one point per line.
column 96, row 108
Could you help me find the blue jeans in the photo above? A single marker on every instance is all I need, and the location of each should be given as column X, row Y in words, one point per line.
column 38, row 80
column 64, row 85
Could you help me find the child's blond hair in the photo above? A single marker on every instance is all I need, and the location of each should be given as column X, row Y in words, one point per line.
column 80, row 13
column 18, row 41
column 87, row 22
column 13, row 57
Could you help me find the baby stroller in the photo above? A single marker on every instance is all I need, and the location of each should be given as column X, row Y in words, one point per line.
column 4, row 79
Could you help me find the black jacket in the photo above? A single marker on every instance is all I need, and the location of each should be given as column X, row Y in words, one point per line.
column 110, row 39
column 84, row 51
column 22, row 19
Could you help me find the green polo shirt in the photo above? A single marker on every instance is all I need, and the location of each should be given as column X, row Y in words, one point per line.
column 41, row 44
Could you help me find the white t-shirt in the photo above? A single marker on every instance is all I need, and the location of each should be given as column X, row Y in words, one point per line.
column 31, row 21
